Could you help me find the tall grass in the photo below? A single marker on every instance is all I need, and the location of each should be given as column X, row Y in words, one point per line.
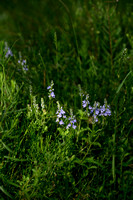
column 53, row 142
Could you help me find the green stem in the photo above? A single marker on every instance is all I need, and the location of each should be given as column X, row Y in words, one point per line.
column 114, row 143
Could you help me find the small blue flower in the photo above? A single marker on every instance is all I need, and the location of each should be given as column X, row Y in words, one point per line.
column 59, row 115
column 62, row 111
column 102, row 110
column 91, row 109
column 8, row 53
column 74, row 126
column 23, row 62
column 68, row 126
column 57, row 120
column 61, row 122
column 25, row 68
column 84, row 103
column 49, row 87
column 74, row 121
column 97, row 111
column 52, row 95
column 107, row 112
column 95, row 118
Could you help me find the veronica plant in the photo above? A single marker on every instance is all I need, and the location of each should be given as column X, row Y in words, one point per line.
column 23, row 64
column 96, row 110
column 7, row 51
column 51, row 90
column 60, row 114
column 72, row 121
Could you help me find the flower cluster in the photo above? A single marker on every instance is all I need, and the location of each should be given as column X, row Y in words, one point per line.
column 60, row 114
column 8, row 51
column 96, row 110
column 51, row 90
column 72, row 121
column 23, row 64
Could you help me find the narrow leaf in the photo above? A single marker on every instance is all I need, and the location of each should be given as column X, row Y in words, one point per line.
column 120, row 86
column 5, row 192
column 15, row 159
column 6, row 147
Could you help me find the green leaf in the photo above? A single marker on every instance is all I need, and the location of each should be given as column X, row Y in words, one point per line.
column 6, row 147
column 15, row 159
column 120, row 86
column 97, row 144
column 91, row 160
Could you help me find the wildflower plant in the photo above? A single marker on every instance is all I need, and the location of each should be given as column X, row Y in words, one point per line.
column 51, row 90
column 96, row 110
column 8, row 51
column 60, row 114
column 72, row 121
column 46, row 153
column 86, row 102
column 23, row 64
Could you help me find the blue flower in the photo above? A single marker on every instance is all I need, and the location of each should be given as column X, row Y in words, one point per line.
column 61, row 122
column 95, row 118
column 49, row 87
column 105, row 110
column 91, row 109
column 84, row 103
column 68, row 126
column 23, row 62
column 74, row 127
column 96, row 110
column 52, row 95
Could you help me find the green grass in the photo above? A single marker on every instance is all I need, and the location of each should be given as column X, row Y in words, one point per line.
column 77, row 44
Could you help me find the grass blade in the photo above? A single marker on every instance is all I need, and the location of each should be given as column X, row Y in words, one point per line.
column 5, row 192
column 120, row 86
